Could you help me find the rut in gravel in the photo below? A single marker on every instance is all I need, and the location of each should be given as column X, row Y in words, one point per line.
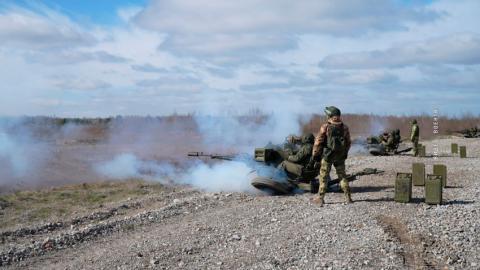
column 414, row 253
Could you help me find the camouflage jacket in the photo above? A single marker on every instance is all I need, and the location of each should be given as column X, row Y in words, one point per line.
column 321, row 138
column 389, row 141
column 302, row 156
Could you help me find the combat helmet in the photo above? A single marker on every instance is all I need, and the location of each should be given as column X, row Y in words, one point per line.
column 308, row 138
column 414, row 121
column 331, row 111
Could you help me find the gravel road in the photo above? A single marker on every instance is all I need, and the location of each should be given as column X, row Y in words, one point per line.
column 189, row 229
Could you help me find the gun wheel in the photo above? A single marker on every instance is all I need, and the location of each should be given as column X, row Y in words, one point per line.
column 271, row 186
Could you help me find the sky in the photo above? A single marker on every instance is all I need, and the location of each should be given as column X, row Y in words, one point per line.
column 90, row 58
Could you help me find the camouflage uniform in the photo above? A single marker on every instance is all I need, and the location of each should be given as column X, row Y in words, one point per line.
column 414, row 137
column 320, row 148
column 397, row 139
column 388, row 141
column 291, row 145
column 296, row 162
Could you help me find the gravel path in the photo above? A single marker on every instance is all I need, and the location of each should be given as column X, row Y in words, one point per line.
column 199, row 230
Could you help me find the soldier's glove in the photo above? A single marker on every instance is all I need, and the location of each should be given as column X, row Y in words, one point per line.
column 311, row 164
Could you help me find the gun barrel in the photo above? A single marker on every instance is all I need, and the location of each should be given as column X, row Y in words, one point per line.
column 195, row 154
column 212, row 156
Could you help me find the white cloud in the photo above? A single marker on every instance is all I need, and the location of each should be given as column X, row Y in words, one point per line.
column 83, row 84
column 461, row 48
column 43, row 29
column 208, row 26
column 70, row 57
column 218, row 56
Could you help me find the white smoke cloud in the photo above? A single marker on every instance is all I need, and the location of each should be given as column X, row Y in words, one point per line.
column 14, row 154
column 377, row 126
column 22, row 156
column 126, row 166
column 224, row 176
column 240, row 134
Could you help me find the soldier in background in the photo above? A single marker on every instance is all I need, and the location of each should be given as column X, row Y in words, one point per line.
column 397, row 139
column 331, row 147
column 297, row 160
column 388, row 141
column 414, row 136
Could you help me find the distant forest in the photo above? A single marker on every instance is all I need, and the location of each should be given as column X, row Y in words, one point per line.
column 360, row 124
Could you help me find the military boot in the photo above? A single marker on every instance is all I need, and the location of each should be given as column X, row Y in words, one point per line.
column 348, row 198
column 346, row 190
column 319, row 200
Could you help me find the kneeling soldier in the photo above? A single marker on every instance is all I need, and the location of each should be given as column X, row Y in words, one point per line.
column 296, row 162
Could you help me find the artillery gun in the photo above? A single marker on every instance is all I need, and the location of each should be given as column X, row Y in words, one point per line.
column 375, row 147
column 473, row 132
column 266, row 175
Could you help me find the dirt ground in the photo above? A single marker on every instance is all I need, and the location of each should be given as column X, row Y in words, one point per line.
column 179, row 227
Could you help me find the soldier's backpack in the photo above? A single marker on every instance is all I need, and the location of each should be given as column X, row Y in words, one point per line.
column 336, row 146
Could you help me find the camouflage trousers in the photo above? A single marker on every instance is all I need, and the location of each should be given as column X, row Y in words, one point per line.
column 325, row 169
column 291, row 168
column 415, row 147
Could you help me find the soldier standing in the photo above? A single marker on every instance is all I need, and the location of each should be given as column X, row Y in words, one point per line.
column 331, row 147
column 414, row 136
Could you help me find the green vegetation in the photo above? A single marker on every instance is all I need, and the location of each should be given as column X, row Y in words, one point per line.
column 63, row 202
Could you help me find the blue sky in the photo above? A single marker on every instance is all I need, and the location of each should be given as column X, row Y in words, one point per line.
column 83, row 11
column 100, row 58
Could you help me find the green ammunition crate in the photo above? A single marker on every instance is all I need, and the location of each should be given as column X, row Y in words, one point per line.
column 463, row 151
column 418, row 174
column 421, row 150
column 454, row 148
column 433, row 189
column 440, row 169
column 403, row 187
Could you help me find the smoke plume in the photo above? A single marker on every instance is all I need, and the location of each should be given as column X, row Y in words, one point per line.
column 21, row 155
column 222, row 133
column 14, row 155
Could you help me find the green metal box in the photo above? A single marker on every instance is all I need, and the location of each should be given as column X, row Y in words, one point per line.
column 403, row 187
column 454, row 148
column 418, row 174
column 421, row 150
column 433, row 189
column 440, row 169
column 463, row 151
